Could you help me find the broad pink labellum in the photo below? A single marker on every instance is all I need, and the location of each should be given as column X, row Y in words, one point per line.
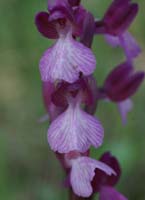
column 75, row 130
column 66, row 59
column 82, row 173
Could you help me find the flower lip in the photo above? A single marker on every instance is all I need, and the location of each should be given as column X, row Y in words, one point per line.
column 74, row 129
column 82, row 173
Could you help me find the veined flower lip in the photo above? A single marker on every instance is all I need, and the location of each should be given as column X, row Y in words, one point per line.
column 75, row 129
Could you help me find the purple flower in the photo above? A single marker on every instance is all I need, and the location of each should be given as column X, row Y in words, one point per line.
column 55, row 95
column 127, row 42
column 120, row 85
column 115, row 24
column 74, row 129
column 83, row 171
column 103, row 183
column 67, row 58
column 122, row 82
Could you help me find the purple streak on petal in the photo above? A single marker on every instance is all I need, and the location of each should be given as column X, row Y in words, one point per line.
column 82, row 173
column 75, row 130
column 101, row 178
column 65, row 60
column 109, row 193
column 88, row 30
column 45, row 27
column 125, row 107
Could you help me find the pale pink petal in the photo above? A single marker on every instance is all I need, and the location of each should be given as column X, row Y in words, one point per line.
column 75, row 130
column 109, row 193
column 82, row 173
column 125, row 107
column 66, row 59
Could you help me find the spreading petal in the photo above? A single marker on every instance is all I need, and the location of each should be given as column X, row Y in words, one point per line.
column 75, row 130
column 82, row 174
column 109, row 193
column 130, row 46
column 125, row 107
column 65, row 60
column 127, row 42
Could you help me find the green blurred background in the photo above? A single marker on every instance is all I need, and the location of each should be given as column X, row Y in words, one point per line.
column 28, row 169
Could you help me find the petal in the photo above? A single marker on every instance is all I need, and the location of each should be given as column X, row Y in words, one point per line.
column 127, row 42
column 65, row 60
column 112, row 40
column 125, row 107
column 88, row 30
column 129, row 87
column 101, row 178
column 79, row 14
column 75, row 130
column 45, row 27
column 130, row 46
column 82, row 174
column 119, row 16
column 56, row 3
column 109, row 193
